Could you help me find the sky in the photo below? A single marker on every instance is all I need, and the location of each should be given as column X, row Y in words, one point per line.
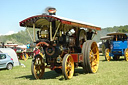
column 102, row 13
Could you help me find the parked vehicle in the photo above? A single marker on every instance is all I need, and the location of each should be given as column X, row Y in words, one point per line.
column 115, row 45
column 6, row 61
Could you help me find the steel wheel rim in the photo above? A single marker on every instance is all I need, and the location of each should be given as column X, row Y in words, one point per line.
column 38, row 67
column 107, row 55
column 94, row 57
column 126, row 54
column 69, row 67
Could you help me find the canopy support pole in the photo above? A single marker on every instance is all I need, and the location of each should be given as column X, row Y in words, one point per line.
column 116, row 37
column 34, row 39
column 29, row 33
column 51, row 31
column 56, row 31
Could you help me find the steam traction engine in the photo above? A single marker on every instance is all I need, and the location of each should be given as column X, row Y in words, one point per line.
column 64, row 44
column 115, row 45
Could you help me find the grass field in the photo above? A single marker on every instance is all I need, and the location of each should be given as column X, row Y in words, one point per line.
column 109, row 73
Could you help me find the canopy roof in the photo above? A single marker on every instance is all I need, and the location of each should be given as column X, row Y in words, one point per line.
column 41, row 20
column 106, row 37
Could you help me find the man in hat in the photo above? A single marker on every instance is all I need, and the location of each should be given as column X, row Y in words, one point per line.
column 89, row 34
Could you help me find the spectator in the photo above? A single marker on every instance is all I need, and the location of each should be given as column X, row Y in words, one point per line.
column 24, row 52
column 28, row 45
column 15, row 49
column 36, row 51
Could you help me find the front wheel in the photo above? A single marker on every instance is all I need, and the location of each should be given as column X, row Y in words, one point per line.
column 68, row 66
column 126, row 54
column 38, row 67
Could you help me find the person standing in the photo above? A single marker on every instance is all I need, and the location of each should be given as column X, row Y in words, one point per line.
column 28, row 45
column 89, row 34
column 24, row 54
column 36, row 51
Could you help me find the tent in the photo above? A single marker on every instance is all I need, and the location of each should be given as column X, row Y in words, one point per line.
column 12, row 54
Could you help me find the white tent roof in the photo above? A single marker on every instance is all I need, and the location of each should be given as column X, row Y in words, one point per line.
column 12, row 54
column 22, row 46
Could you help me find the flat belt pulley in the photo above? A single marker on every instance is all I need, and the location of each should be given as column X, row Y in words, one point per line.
column 50, row 50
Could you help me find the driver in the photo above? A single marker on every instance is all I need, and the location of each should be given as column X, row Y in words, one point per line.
column 89, row 34
column 43, row 33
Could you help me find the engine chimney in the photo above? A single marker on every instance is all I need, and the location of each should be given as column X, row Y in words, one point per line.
column 52, row 11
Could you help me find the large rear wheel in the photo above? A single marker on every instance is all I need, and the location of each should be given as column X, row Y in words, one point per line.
column 38, row 67
column 107, row 57
column 68, row 66
column 90, row 57
column 126, row 54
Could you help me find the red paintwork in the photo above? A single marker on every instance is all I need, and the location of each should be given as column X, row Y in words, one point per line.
column 81, row 46
column 75, row 57
column 65, row 22
column 52, row 67
column 20, row 54
column 80, row 58
column 42, row 43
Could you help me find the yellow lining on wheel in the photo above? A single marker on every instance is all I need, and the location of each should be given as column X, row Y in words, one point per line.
column 126, row 54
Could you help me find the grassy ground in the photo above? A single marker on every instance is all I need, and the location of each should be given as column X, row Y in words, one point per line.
column 109, row 73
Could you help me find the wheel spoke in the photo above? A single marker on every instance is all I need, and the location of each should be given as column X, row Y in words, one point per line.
column 92, row 56
column 93, row 68
column 94, row 47
column 94, row 62
column 95, row 54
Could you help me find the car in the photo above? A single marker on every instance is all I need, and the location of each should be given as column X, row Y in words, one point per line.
column 6, row 61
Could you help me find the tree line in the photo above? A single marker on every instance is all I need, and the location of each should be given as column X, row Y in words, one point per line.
column 22, row 37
